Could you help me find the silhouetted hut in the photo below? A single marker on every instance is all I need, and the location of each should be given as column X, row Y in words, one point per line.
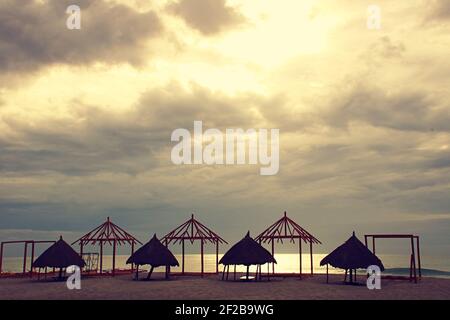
column 246, row 252
column 155, row 254
column 59, row 255
column 351, row 255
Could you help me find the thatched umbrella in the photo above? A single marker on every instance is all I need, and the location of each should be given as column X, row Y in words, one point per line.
column 155, row 254
column 59, row 255
column 246, row 252
column 351, row 255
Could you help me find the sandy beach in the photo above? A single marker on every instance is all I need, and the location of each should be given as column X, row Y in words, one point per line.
column 210, row 287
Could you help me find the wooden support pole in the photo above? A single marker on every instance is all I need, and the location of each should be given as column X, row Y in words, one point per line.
column 228, row 271
column 413, row 259
column 300, row 254
column 201, row 248
column 248, row 269
column 1, row 257
column 373, row 245
column 217, row 256
column 273, row 255
column 32, row 259
column 182, row 256
column 151, row 271
column 234, row 273
column 311, row 256
column 418, row 257
column 101, row 256
column 137, row 272
column 114, row 259
column 25, row 258
column 327, row 272
column 132, row 252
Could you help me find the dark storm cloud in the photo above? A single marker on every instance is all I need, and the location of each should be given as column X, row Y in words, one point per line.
column 207, row 16
column 410, row 111
column 92, row 139
column 34, row 34
column 439, row 11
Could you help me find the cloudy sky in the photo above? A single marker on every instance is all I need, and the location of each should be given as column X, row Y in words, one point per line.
column 364, row 116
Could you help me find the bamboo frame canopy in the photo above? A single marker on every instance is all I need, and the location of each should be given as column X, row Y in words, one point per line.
column 110, row 233
column 287, row 229
column 193, row 230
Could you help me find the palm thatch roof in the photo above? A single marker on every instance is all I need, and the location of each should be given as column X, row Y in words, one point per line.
column 353, row 254
column 153, row 253
column 59, row 255
column 247, row 252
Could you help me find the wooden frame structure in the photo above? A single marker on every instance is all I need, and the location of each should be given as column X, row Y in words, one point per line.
column 414, row 263
column 191, row 231
column 25, row 252
column 111, row 234
column 287, row 229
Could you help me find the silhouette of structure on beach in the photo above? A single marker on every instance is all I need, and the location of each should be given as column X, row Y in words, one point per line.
column 107, row 233
column 59, row 255
column 155, row 254
column 351, row 255
column 192, row 230
column 287, row 229
column 246, row 252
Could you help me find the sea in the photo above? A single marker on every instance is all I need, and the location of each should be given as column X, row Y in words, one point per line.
column 286, row 263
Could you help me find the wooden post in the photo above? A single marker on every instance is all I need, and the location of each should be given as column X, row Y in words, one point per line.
column 418, row 257
column 228, row 271
column 373, row 245
column 151, row 271
column 300, row 254
column 32, row 259
column 132, row 252
column 201, row 248
column 311, row 254
column 1, row 257
column 217, row 256
column 25, row 257
column 273, row 255
column 137, row 272
column 234, row 273
column 101, row 256
column 327, row 272
column 248, row 269
column 413, row 259
column 114, row 259
column 182, row 256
